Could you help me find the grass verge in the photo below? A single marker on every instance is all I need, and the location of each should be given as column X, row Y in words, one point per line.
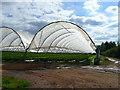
column 11, row 82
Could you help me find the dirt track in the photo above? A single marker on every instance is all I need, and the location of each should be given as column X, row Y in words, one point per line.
column 66, row 78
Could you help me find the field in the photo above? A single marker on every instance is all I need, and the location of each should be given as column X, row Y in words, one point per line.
column 45, row 57
column 14, row 65
column 77, row 58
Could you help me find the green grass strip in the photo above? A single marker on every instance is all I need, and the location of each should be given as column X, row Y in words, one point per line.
column 11, row 82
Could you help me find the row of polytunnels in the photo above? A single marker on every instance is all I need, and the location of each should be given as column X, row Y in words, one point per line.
column 55, row 37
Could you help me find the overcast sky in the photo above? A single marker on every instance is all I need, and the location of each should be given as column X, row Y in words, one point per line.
column 98, row 19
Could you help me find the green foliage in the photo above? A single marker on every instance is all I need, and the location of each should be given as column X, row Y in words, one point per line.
column 104, row 61
column 11, row 56
column 91, row 57
column 38, row 57
column 113, row 52
column 107, row 45
column 11, row 82
column 110, row 49
column 45, row 57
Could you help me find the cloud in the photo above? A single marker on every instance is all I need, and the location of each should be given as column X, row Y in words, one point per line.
column 66, row 12
column 31, row 16
column 83, row 21
column 58, row 16
column 98, row 31
column 106, row 28
column 112, row 10
column 104, row 33
column 39, row 23
column 31, row 0
column 91, row 6
column 112, row 25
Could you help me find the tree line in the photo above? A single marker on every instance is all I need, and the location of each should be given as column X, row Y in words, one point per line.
column 110, row 49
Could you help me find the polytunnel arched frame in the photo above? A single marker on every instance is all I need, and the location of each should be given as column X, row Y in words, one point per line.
column 19, row 47
column 50, row 48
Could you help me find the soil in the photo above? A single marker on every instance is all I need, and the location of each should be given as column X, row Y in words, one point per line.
column 74, row 77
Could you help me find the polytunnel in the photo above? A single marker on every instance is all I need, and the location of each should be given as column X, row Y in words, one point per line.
column 12, row 40
column 62, row 37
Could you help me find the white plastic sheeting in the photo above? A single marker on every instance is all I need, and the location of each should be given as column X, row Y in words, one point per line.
column 26, row 38
column 12, row 40
column 56, row 37
column 62, row 37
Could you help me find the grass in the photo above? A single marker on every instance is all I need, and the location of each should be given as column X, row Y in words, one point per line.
column 11, row 82
column 105, row 61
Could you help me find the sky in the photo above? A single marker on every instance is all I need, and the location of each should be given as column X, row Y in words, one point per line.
column 98, row 19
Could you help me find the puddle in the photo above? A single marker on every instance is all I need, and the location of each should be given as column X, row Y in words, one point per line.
column 29, row 60
column 102, row 68
column 113, row 60
column 64, row 66
column 109, row 68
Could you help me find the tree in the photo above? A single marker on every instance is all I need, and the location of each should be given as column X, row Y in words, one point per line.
column 106, row 46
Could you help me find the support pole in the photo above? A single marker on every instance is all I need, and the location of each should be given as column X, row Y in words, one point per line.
column 25, row 55
column 97, row 59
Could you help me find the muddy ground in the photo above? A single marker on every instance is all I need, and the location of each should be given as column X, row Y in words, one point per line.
column 74, row 77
